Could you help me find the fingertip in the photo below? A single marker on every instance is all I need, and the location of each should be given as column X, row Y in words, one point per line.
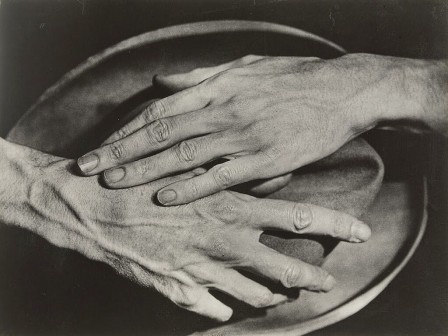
column 360, row 232
column 209, row 306
column 329, row 283
column 226, row 314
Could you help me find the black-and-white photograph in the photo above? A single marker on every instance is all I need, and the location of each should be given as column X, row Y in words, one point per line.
column 212, row 167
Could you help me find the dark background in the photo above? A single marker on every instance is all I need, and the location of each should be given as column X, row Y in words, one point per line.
column 41, row 40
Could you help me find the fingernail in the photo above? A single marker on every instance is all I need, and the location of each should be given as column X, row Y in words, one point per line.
column 88, row 162
column 166, row 196
column 114, row 175
column 360, row 233
column 329, row 283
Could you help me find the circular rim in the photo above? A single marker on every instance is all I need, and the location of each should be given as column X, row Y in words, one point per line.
column 210, row 27
column 177, row 31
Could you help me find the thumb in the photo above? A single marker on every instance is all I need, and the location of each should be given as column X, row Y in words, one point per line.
column 182, row 81
column 177, row 82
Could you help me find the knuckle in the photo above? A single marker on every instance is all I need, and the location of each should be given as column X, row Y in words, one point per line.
column 121, row 133
column 116, row 151
column 187, row 151
column 263, row 299
column 158, row 131
column 186, row 298
column 231, row 210
column 302, row 216
column 194, row 190
column 154, row 111
column 142, row 167
column 223, row 176
column 221, row 249
column 292, row 276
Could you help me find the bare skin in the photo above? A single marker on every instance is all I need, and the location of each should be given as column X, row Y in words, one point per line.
column 268, row 116
column 179, row 251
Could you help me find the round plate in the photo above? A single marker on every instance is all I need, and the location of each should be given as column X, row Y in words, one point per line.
column 79, row 111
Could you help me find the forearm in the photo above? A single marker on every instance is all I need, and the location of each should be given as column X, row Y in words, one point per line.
column 403, row 92
column 13, row 187
column 29, row 200
column 428, row 84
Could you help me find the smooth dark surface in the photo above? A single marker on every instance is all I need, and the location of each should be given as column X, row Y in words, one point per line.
column 42, row 40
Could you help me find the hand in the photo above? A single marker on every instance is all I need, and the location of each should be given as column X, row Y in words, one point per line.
column 179, row 251
column 268, row 115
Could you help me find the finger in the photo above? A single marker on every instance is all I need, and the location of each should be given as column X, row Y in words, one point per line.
column 200, row 301
column 184, row 156
column 152, row 188
column 182, row 81
column 218, row 178
column 308, row 219
column 290, row 272
column 153, row 137
column 188, row 100
column 240, row 287
column 196, row 299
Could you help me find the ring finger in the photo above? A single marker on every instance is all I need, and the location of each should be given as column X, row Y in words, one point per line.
column 290, row 272
column 235, row 284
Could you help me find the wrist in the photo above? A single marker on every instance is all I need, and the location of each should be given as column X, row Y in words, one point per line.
column 14, row 181
column 405, row 91
column 429, row 87
column 37, row 195
column 386, row 89
column 63, row 205
column 401, row 91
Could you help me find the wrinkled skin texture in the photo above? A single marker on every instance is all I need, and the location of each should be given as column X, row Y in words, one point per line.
column 179, row 251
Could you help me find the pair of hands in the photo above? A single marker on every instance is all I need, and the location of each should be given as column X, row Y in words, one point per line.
column 267, row 117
